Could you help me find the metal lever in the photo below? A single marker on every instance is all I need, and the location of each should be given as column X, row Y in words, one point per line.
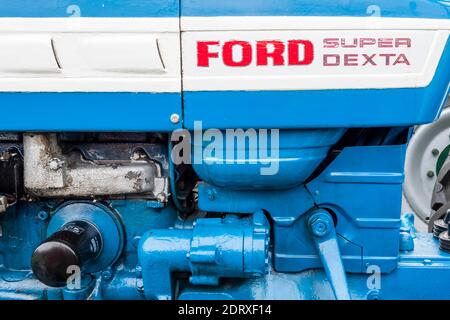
column 322, row 229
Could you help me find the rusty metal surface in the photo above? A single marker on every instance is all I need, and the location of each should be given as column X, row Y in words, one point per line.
column 49, row 172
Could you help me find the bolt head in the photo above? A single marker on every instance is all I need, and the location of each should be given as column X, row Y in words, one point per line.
column 175, row 118
column 55, row 164
column 320, row 227
column 435, row 152
column 140, row 284
column 430, row 174
column 106, row 275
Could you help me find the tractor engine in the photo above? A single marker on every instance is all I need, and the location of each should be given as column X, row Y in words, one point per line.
column 162, row 149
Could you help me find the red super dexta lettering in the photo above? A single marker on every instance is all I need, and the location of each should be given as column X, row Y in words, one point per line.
column 357, row 58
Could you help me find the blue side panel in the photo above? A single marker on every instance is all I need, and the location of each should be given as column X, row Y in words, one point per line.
column 365, row 193
column 357, row 8
column 320, row 108
column 89, row 8
column 88, row 111
column 351, row 187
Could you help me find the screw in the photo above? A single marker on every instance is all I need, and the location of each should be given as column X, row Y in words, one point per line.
column 175, row 118
column 106, row 275
column 435, row 152
column 42, row 215
column 430, row 174
column 139, row 284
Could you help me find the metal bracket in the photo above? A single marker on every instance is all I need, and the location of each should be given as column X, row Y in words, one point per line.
column 322, row 229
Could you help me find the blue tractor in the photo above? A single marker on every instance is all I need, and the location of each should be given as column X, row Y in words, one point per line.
column 192, row 149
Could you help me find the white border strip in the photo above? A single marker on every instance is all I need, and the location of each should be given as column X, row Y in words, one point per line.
column 309, row 23
column 163, row 85
column 61, row 25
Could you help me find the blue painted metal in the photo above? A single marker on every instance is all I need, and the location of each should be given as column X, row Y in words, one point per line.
column 283, row 206
column 321, row 226
column 148, row 245
column 214, row 248
column 407, row 232
column 351, row 187
column 423, row 272
column 89, row 111
column 89, row 8
column 23, row 230
column 321, row 108
column 298, row 153
column 434, row 9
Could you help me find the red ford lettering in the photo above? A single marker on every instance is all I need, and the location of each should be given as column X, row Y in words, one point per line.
column 237, row 53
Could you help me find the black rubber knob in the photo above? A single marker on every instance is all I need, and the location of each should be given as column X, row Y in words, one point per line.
column 74, row 244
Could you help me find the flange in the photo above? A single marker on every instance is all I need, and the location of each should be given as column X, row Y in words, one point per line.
column 103, row 218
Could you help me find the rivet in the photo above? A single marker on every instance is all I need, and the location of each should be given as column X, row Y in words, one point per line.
column 175, row 118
